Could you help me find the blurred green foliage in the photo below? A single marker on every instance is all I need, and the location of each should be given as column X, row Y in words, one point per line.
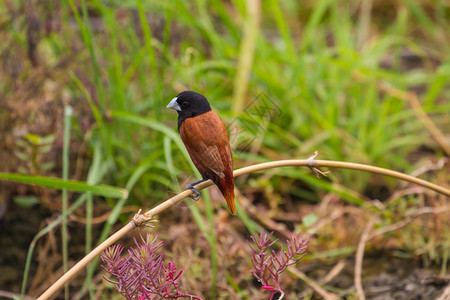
column 134, row 56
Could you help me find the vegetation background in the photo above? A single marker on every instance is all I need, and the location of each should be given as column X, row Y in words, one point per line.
column 288, row 77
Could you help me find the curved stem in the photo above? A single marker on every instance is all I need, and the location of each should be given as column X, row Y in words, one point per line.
column 140, row 220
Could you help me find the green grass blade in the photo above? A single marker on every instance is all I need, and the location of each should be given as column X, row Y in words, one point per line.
column 159, row 127
column 65, row 175
column 43, row 232
column 71, row 185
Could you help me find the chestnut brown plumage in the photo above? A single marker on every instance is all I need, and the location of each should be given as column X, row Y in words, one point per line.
column 206, row 140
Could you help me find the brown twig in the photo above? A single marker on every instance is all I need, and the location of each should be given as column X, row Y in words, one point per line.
column 359, row 259
column 312, row 284
column 335, row 271
column 446, row 294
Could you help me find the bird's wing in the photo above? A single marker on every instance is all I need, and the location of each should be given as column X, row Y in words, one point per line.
column 206, row 140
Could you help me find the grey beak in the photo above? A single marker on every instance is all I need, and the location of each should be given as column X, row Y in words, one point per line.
column 173, row 104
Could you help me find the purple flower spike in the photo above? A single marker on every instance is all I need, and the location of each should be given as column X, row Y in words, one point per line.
column 268, row 264
column 142, row 275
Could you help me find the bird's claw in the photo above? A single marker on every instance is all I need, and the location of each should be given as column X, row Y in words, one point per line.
column 196, row 193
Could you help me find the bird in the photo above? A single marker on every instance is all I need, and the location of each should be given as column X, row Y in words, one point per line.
column 206, row 140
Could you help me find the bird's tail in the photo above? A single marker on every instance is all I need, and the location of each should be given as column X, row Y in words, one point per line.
column 229, row 196
column 227, row 189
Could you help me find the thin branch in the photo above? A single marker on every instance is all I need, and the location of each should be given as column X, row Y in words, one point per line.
column 359, row 259
column 335, row 271
column 446, row 294
column 312, row 284
column 143, row 219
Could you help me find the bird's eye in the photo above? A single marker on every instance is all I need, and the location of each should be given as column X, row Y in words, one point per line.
column 184, row 104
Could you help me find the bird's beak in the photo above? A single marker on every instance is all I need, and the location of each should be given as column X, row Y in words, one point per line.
column 173, row 104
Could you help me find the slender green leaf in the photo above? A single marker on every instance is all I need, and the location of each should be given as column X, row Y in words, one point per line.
column 71, row 185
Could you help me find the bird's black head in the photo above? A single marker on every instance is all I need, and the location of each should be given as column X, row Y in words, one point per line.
column 189, row 104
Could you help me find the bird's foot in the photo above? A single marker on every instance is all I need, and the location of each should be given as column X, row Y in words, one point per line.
column 196, row 193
